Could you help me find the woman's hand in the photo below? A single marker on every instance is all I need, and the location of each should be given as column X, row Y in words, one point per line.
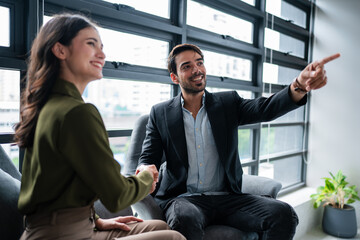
column 116, row 223
column 152, row 170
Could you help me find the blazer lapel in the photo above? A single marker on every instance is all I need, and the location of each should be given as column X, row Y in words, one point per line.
column 217, row 120
column 175, row 124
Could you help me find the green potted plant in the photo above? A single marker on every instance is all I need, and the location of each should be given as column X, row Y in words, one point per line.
column 339, row 217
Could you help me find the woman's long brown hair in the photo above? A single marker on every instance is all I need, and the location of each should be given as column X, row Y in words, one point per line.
column 43, row 70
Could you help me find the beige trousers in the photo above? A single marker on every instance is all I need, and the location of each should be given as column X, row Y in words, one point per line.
column 78, row 223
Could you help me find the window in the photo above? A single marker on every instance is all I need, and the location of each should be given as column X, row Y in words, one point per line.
column 277, row 140
column 252, row 50
column 284, row 170
column 134, row 49
column 281, row 42
column 9, row 99
column 227, row 66
column 121, row 102
column 120, row 147
column 156, row 7
column 207, row 18
column 294, row 116
column 273, row 73
column 286, row 11
column 250, row 2
column 245, row 144
column 5, row 26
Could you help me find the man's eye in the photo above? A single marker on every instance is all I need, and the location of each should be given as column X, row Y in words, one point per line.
column 91, row 43
column 185, row 67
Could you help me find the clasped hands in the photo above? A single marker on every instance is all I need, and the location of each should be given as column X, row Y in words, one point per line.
column 152, row 170
column 122, row 222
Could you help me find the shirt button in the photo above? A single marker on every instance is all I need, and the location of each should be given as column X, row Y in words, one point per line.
column 198, row 146
column 200, row 164
column 200, row 182
column 197, row 129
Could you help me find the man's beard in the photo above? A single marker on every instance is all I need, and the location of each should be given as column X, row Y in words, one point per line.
column 191, row 90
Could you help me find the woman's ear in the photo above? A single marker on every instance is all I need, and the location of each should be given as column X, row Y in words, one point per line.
column 59, row 51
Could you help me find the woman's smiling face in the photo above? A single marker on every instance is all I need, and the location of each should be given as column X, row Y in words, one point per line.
column 84, row 57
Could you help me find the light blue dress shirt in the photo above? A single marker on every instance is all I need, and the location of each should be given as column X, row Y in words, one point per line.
column 206, row 174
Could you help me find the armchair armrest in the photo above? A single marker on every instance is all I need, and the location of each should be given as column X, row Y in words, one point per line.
column 148, row 209
column 258, row 185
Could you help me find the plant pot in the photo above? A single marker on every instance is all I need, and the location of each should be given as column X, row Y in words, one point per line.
column 340, row 222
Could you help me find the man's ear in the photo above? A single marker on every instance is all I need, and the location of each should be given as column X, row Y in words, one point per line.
column 174, row 78
column 59, row 51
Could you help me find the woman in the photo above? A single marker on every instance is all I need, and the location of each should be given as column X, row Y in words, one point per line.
column 68, row 163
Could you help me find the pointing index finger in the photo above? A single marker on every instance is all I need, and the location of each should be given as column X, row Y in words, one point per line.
column 329, row 58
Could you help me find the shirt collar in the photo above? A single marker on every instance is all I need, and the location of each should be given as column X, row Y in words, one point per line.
column 182, row 100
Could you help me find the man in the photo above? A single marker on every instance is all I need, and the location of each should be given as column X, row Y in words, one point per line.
column 197, row 131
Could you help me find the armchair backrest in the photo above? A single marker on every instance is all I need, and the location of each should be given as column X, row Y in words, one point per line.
column 137, row 138
column 136, row 142
column 8, row 166
column 11, row 222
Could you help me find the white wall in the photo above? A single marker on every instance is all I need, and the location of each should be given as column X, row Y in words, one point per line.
column 334, row 132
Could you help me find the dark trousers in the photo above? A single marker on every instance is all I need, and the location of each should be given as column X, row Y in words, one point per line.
column 270, row 218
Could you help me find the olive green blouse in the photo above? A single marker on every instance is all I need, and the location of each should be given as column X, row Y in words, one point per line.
column 70, row 163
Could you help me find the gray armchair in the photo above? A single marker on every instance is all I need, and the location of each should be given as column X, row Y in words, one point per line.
column 11, row 221
column 148, row 209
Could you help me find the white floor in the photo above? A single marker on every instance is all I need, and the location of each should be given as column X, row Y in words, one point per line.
column 318, row 234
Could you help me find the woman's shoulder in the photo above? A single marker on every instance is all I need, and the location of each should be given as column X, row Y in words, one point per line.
column 60, row 107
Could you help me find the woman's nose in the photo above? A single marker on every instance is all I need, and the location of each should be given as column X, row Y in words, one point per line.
column 101, row 54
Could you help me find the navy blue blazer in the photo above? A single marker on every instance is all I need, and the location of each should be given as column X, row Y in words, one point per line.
column 165, row 134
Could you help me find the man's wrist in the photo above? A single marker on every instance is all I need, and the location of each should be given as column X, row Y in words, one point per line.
column 298, row 87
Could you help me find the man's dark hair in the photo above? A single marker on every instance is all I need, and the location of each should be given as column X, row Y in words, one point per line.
column 176, row 51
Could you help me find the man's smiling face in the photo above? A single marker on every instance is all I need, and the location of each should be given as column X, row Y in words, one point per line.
column 191, row 72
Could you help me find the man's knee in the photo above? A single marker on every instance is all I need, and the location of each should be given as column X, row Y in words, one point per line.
column 284, row 216
column 282, row 222
column 185, row 217
column 182, row 213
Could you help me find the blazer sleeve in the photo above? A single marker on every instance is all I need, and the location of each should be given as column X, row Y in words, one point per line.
column 265, row 109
